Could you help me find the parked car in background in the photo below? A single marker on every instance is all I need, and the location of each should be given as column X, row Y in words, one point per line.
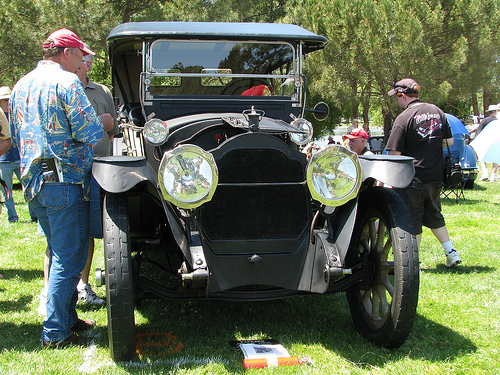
column 215, row 199
column 461, row 152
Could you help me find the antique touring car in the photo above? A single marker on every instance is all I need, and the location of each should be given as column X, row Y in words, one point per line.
column 215, row 199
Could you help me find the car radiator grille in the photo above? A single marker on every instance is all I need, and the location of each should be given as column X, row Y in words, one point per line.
column 261, row 195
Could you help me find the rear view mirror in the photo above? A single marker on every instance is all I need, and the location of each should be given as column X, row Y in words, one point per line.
column 321, row 111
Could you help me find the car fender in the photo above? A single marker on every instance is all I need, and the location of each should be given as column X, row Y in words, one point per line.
column 393, row 170
column 118, row 174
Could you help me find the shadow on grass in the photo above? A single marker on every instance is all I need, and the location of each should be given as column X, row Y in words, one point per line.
column 461, row 202
column 307, row 325
column 192, row 333
column 459, row 270
column 23, row 275
column 26, row 337
column 21, row 304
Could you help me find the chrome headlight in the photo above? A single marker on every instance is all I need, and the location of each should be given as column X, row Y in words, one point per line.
column 306, row 132
column 334, row 175
column 188, row 176
column 156, row 132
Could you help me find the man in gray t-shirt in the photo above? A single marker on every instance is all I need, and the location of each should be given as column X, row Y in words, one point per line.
column 101, row 99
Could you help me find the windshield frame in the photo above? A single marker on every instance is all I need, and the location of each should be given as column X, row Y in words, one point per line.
column 294, row 74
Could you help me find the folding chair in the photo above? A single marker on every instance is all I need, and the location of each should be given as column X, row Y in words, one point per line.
column 456, row 190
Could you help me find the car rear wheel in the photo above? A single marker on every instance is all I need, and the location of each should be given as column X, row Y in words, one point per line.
column 383, row 304
column 119, row 280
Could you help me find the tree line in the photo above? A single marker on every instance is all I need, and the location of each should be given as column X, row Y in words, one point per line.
column 451, row 47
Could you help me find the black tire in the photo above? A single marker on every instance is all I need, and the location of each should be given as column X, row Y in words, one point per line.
column 118, row 278
column 383, row 305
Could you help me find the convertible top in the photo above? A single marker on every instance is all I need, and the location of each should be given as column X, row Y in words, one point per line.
column 219, row 30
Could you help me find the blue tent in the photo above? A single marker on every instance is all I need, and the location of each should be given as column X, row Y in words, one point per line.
column 457, row 126
column 487, row 143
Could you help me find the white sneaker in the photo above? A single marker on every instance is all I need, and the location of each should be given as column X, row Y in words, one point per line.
column 493, row 178
column 42, row 303
column 87, row 295
column 484, row 178
column 452, row 258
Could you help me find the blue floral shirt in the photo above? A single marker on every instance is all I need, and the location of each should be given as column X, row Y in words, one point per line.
column 52, row 118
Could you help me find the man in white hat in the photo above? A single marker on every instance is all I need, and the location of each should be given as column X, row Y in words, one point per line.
column 492, row 115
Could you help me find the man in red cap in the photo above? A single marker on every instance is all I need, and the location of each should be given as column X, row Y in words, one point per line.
column 422, row 131
column 54, row 126
column 357, row 141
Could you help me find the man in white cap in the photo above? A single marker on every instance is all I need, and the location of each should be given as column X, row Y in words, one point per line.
column 422, row 131
column 54, row 126
column 492, row 112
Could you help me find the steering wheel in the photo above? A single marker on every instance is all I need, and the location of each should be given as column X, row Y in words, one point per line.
column 233, row 87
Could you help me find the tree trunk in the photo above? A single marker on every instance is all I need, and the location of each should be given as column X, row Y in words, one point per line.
column 486, row 99
column 354, row 103
column 387, row 123
column 366, row 121
column 475, row 105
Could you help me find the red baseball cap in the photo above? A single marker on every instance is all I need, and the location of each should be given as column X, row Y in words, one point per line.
column 67, row 38
column 357, row 133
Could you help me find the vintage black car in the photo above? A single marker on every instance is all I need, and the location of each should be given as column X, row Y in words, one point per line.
column 215, row 199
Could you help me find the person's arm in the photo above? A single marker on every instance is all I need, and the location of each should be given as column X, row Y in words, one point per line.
column 107, row 121
column 393, row 152
column 5, row 139
column 5, row 145
column 450, row 142
column 110, row 108
column 447, row 132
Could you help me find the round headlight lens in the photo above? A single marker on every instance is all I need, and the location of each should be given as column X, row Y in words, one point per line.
column 156, row 132
column 306, row 132
column 188, row 176
column 334, row 176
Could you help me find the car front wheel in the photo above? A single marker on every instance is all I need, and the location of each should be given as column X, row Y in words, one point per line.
column 384, row 249
column 118, row 276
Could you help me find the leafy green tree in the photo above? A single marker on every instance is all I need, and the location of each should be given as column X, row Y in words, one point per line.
column 225, row 10
column 375, row 43
column 27, row 24
column 20, row 29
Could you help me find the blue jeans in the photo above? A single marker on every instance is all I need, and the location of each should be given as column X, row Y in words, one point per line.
column 7, row 171
column 95, row 228
column 64, row 217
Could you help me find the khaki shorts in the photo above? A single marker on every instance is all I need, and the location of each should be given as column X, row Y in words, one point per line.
column 424, row 204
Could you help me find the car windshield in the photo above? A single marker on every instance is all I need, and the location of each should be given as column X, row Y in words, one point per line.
column 183, row 67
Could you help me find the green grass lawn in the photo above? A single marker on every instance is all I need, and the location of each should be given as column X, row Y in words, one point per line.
column 456, row 329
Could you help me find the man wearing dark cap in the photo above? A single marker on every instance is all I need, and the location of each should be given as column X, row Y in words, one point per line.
column 421, row 131
column 54, row 126
column 357, row 141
